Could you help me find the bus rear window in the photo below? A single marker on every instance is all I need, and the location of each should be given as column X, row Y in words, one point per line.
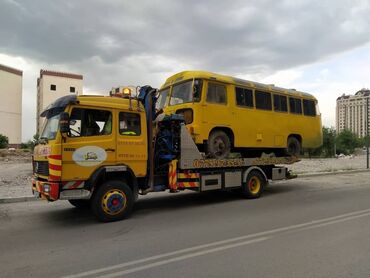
column 309, row 107
column 263, row 100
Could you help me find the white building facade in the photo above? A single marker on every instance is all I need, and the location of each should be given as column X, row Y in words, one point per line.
column 352, row 113
column 52, row 85
column 11, row 104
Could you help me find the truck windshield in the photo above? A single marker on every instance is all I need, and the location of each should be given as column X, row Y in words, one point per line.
column 52, row 124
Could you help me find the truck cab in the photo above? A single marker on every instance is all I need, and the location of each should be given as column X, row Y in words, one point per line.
column 105, row 136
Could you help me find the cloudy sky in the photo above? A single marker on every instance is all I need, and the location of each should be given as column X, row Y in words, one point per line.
column 321, row 47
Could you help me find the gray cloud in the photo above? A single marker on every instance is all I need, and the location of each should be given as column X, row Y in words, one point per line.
column 142, row 42
column 218, row 35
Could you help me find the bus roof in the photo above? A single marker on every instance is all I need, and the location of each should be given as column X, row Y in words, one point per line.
column 186, row 75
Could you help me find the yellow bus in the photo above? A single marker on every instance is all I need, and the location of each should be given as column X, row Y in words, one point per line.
column 226, row 114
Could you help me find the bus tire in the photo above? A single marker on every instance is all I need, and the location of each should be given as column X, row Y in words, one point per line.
column 219, row 144
column 80, row 203
column 253, row 187
column 293, row 146
column 112, row 201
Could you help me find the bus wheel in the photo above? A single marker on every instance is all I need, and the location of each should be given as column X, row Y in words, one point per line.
column 254, row 185
column 218, row 145
column 112, row 201
column 293, row 146
column 80, row 203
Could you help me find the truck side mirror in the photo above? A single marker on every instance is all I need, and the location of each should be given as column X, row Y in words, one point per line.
column 64, row 123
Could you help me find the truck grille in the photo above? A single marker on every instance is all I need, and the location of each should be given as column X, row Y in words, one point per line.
column 41, row 167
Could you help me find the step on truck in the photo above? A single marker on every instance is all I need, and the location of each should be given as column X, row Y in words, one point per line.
column 101, row 152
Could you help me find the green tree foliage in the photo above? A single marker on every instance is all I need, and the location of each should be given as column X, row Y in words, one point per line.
column 347, row 142
column 327, row 148
column 30, row 144
column 4, row 141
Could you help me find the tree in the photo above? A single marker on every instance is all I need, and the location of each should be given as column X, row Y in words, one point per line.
column 4, row 141
column 30, row 144
column 347, row 142
column 327, row 148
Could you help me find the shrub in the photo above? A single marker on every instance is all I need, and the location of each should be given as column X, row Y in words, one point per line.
column 4, row 141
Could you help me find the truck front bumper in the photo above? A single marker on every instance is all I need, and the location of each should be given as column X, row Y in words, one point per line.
column 45, row 189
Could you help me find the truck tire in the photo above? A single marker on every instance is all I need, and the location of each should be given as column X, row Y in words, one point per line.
column 80, row 203
column 218, row 145
column 112, row 201
column 293, row 146
column 254, row 185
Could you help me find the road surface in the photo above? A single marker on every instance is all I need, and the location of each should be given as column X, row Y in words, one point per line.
column 308, row 227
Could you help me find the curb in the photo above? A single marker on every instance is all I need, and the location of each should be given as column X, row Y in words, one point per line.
column 9, row 200
column 339, row 172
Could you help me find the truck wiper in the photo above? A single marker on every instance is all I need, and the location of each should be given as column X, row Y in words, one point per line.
column 43, row 140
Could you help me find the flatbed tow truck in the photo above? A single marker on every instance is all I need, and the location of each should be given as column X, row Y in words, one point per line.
column 136, row 152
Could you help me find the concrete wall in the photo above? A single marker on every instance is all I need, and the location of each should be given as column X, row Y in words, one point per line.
column 11, row 105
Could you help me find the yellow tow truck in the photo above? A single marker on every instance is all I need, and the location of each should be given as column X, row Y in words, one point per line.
column 103, row 151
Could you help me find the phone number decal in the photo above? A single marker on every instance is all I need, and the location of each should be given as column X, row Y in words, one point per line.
column 216, row 163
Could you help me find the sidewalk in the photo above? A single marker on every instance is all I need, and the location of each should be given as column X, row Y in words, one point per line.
column 15, row 178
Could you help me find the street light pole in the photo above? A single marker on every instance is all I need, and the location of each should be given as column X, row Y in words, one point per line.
column 367, row 132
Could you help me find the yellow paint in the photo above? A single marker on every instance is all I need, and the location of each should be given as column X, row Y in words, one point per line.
column 251, row 127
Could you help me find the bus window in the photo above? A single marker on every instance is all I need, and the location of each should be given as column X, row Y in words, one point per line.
column 263, row 100
column 295, row 105
column 309, row 107
column 280, row 103
column 182, row 93
column 162, row 99
column 244, row 97
column 216, row 93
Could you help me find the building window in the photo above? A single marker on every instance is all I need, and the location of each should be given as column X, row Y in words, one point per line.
column 53, row 87
column 72, row 89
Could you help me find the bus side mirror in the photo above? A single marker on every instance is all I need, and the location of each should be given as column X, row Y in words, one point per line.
column 64, row 123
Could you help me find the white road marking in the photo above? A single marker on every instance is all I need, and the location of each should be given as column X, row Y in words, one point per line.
column 184, row 257
column 302, row 226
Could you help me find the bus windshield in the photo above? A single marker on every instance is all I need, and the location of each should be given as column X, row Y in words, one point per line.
column 188, row 91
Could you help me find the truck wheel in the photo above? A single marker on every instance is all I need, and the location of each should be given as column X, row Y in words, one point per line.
column 112, row 201
column 254, row 184
column 218, row 145
column 80, row 203
column 293, row 146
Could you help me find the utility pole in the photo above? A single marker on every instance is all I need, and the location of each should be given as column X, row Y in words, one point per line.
column 367, row 132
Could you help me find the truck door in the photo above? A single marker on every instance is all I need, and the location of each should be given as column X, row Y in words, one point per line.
column 132, row 141
column 90, row 143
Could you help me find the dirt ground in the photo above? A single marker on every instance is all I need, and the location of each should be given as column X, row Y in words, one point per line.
column 16, row 170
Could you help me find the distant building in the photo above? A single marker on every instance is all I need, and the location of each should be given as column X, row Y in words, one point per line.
column 52, row 85
column 351, row 112
column 11, row 104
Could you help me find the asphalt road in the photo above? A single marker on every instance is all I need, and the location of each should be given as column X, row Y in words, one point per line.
column 311, row 227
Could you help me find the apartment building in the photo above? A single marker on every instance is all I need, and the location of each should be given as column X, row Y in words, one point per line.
column 52, row 85
column 11, row 104
column 352, row 112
